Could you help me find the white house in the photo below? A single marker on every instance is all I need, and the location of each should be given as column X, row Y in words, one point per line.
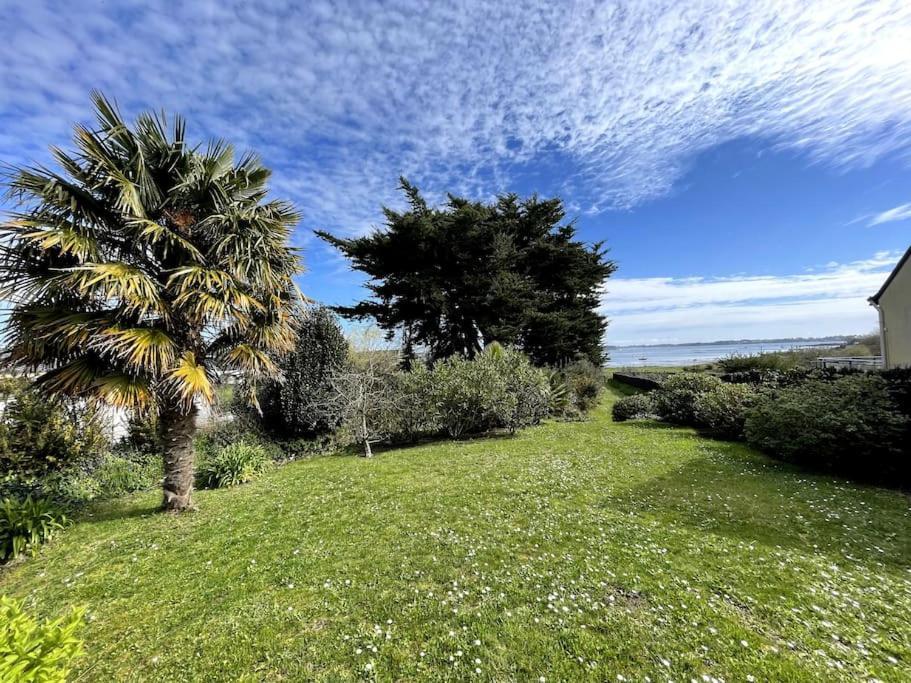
column 893, row 301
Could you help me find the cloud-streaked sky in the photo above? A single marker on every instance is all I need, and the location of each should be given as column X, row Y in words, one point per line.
column 714, row 145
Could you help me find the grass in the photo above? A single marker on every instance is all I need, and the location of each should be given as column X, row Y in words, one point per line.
column 574, row 551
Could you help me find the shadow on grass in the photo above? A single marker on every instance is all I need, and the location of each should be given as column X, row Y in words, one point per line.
column 119, row 509
column 648, row 424
column 738, row 493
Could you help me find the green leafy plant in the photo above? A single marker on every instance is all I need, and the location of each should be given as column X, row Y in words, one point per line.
column 40, row 435
column 722, row 409
column 298, row 405
column 633, row 407
column 26, row 524
column 471, row 396
column 586, row 381
column 37, row 653
column 231, row 465
column 675, row 401
column 852, row 425
column 416, row 413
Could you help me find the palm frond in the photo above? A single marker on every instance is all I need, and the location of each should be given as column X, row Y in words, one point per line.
column 124, row 391
column 188, row 379
column 158, row 233
column 248, row 359
column 63, row 237
column 116, row 280
column 142, row 348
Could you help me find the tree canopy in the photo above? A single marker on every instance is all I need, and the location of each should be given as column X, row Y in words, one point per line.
column 455, row 278
column 144, row 266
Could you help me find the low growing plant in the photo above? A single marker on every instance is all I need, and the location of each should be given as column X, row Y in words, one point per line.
column 233, row 464
column 26, row 524
column 585, row 381
column 634, row 407
column 675, row 401
column 32, row 652
column 722, row 409
column 851, row 424
column 39, row 435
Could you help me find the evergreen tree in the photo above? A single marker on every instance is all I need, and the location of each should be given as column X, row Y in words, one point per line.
column 299, row 405
column 456, row 278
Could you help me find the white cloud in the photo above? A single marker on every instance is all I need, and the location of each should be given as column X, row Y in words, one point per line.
column 898, row 213
column 343, row 97
column 829, row 301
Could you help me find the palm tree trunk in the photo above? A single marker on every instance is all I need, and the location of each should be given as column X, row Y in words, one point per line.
column 177, row 431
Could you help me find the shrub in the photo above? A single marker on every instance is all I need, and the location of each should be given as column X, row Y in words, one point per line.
column 37, row 653
column 529, row 386
column 236, row 463
column 298, row 406
column 142, row 433
column 128, row 472
column 40, row 434
column 675, row 401
column 416, row 413
column 850, row 424
column 26, row 524
column 722, row 409
column 758, row 362
column 586, row 381
column 633, row 407
column 471, row 395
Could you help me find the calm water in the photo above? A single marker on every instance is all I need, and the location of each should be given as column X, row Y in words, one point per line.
column 627, row 356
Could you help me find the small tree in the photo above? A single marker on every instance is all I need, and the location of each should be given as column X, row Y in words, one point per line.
column 297, row 406
column 142, row 267
column 363, row 391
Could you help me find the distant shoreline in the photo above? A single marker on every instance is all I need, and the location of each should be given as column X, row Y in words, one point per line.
column 806, row 341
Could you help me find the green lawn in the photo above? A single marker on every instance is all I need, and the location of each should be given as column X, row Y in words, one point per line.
column 573, row 551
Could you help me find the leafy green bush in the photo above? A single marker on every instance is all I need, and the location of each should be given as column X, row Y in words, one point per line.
column 26, row 524
column 759, row 361
column 722, row 409
column 142, row 433
column 530, row 386
column 675, row 401
column 471, row 396
column 128, row 472
column 37, row 653
column 111, row 475
column 851, row 424
column 236, row 463
column 634, row 407
column 297, row 406
column 585, row 381
column 416, row 413
column 40, row 434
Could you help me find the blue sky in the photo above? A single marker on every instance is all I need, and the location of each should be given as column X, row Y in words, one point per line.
column 746, row 162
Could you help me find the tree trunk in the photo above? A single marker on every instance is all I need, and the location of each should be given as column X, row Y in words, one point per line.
column 367, row 452
column 177, row 431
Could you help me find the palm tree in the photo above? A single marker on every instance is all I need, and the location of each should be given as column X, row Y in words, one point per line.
column 142, row 269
